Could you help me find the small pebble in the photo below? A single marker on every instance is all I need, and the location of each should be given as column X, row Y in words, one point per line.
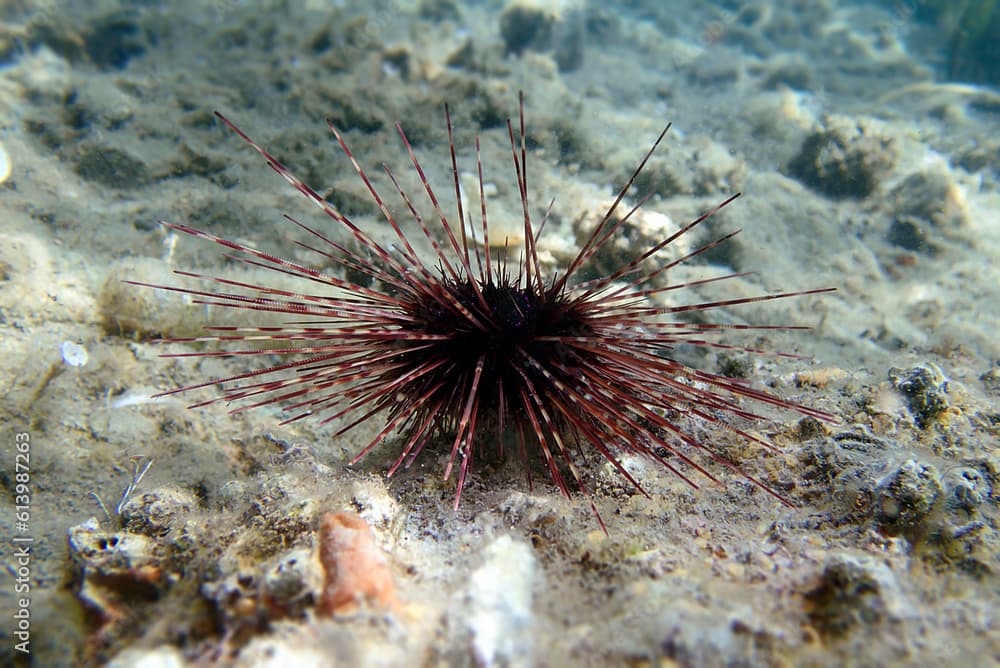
column 356, row 569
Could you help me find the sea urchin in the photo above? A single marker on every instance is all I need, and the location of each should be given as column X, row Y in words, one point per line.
column 476, row 350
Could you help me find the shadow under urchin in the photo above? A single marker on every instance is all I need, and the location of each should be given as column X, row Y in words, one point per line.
column 475, row 349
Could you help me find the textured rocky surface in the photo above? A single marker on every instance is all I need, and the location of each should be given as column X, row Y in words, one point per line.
column 858, row 170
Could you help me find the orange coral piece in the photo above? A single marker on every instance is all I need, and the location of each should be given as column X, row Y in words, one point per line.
column 356, row 569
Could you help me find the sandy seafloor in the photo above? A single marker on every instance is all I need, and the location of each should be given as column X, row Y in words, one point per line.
column 890, row 556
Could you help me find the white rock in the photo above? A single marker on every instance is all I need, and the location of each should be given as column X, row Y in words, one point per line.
column 160, row 657
column 499, row 604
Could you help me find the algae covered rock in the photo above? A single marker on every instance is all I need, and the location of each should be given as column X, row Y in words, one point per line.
column 844, row 158
column 905, row 498
column 925, row 388
column 852, row 594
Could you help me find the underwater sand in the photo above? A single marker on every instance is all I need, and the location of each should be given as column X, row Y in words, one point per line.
column 862, row 166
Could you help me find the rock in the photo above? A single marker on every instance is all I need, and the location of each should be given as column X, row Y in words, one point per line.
column 852, row 594
column 925, row 388
column 497, row 610
column 525, row 24
column 356, row 570
column 308, row 647
column 158, row 657
column 688, row 636
column 236, row 598
column 155, row 513
column 966, row 538
column 844, row 158
column 144, row 312
column 905, row 499
column 991, row 379
column 910, row 235
column 840, row 472
column 112, row 167
column 532, row 25
column 643, row 230
column 114, row 569
column 966, row 490
column 291, row 584
column 927, row 205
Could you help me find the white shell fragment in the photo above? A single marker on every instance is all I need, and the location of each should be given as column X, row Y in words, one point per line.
column 73, row 354
column 5, row 165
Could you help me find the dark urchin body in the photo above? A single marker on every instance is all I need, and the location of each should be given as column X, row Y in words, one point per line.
column 478, row 350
